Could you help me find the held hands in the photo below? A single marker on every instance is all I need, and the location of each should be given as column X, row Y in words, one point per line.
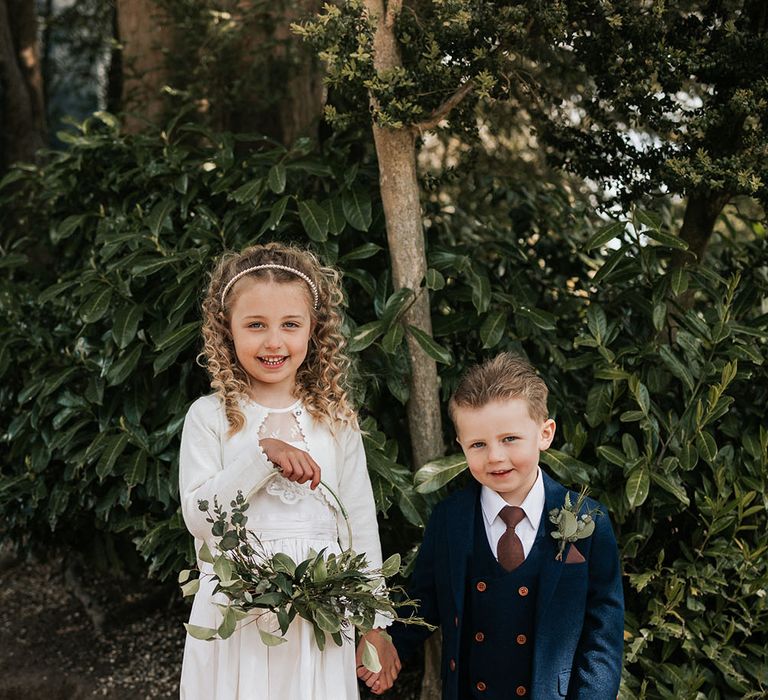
column 390, row 662
column 294, row 464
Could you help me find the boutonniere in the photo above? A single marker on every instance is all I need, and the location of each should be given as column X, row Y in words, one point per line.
column 570, row 525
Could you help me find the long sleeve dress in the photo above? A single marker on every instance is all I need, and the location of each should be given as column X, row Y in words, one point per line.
column 287, row 517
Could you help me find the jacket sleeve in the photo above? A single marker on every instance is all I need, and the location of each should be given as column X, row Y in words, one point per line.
column 423, row 589
column 596, row 670
column 202, row 473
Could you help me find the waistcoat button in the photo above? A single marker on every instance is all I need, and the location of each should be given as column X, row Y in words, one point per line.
column 523, row 591
column 479, row 637
column 481, row 686
column 481, row 586
column 521, row 639
column 452, row 664
column 521, row 690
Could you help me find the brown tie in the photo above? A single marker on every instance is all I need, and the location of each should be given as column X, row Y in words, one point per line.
column 510, row 548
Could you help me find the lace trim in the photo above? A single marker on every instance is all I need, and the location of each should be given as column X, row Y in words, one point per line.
column 298, row 412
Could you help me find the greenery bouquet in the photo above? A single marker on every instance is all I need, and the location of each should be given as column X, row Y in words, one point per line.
column 336, row 593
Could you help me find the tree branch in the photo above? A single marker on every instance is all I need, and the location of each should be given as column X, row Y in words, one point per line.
column 444, row 109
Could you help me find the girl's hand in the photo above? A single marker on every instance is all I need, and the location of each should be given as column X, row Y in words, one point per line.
column 294, row 464
column 390, row 662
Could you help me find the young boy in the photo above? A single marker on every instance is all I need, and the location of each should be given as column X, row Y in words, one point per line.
column 517, row 620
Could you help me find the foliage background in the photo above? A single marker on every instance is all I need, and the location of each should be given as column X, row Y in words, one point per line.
column 656, row 370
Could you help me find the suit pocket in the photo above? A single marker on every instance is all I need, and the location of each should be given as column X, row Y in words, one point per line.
column 562, row 682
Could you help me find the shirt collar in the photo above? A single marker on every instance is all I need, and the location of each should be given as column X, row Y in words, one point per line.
column 533, row 505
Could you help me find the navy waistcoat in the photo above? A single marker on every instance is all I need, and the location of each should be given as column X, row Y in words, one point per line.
column 498, row 632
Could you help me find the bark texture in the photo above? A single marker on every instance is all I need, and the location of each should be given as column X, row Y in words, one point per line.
column 396, row 153
column 701, row 212
column 146, row 35
column 21, row 83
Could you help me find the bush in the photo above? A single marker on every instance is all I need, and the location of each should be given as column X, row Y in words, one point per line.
column 655, row 372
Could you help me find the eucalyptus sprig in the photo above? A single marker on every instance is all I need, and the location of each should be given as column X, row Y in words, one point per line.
column 572, row 526
column 336, row 593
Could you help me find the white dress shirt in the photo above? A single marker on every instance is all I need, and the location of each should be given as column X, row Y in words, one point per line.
column 533, row 505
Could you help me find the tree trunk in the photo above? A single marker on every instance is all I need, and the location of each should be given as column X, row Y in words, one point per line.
column 396, row 153
column 146, row 34
column 302, row 103
column 701, row 212
column 21, row 83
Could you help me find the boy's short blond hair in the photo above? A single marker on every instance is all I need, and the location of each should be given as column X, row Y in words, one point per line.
column 506, row 376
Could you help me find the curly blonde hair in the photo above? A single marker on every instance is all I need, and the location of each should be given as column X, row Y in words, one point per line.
column 321, row 382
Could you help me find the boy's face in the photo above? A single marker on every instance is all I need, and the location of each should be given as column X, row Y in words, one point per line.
column 502, row 443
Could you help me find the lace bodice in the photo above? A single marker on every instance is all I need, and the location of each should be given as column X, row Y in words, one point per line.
column 282, row 424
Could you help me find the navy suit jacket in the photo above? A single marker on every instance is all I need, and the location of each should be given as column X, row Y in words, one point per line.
column 579, row 624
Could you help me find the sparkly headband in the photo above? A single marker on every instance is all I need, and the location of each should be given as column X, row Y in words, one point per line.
column 273, row 266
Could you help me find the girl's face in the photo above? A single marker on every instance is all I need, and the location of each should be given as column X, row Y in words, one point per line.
column 271, row 326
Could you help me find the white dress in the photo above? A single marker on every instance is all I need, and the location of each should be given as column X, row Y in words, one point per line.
column 290, row 518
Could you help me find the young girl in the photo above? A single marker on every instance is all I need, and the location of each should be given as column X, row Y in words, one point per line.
column 272, row 345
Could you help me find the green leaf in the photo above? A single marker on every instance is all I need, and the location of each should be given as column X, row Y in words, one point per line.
column 688, row 457
column 178, row 337
column 205, row 554
column 271, row 640
column 659, row 315
column 492, row 329
column 203, row 633
column 393, row 339
column 707, row 446
column 371, row 658
column 391, row 566
column 604, row 235
column 67, row 227
column 365, row 335
column 612, row 455
column 111, row 452
column 481, row 290
column 407, row 504
column 434, row 279
column 648, row 219
column 611, row 263
column 637, row 486
column 137, row 469
column 119, row 371
column 642, row 397
column 190, row 587
column 96, row 306
column 228, row 624
column 248, row 192
column 666, row 240
column 437, row 473
column 679, row 281
column 276, row 178
column 275, row 215
column 55, row 291
column 222, row 567
column 357, row 209
column 539, row 318
column 673, row 486
column 326, row 621
column 125, row 324
column 430, row 346
column 367, row 250
column 566, row 467
column 282, row 562
column 597, row 322
column 314, row 220
column 336, row 220
column 676, row 366
column 159, row 213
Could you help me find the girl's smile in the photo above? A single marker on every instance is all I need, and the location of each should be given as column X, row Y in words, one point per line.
column 271, row 325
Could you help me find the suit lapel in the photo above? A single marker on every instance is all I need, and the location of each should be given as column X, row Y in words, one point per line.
column 460, row 530
column 551, row 569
